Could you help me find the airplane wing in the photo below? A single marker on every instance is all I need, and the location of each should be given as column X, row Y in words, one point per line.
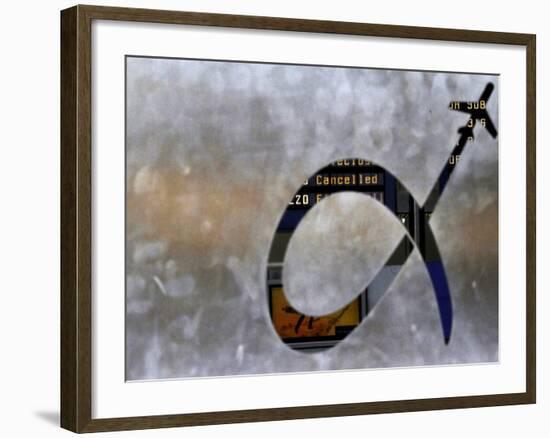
column 463, row 108
column 487, row 92
column 490, row 127
column 488, row 122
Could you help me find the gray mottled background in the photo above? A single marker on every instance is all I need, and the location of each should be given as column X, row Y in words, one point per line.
column 214, row 152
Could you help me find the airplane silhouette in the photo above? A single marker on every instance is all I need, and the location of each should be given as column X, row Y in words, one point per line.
column 436, row 269
column 477, row 111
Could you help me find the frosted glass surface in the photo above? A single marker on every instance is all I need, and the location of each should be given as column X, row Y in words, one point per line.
column 214, row 153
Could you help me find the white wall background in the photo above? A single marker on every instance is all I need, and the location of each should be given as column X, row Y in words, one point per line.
column 29, row 216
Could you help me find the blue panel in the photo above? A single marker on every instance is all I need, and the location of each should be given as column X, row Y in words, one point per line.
column 443, row 295
column 389, row 192
column 291, row 219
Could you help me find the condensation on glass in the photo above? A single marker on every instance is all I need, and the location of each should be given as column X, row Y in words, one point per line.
column 216, row 153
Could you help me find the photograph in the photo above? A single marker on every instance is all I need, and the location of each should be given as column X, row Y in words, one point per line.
column 293, row 218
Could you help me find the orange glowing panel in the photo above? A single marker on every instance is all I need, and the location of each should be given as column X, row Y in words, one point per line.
column 291, row 324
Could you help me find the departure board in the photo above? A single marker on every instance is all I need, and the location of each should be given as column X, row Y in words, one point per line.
column 357, row 175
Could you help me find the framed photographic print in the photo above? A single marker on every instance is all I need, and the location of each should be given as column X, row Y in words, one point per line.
column 269, row 210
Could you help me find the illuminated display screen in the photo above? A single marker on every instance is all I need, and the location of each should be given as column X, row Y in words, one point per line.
column 255, row 223
column 293, row 326
column 356, row 175
column 342, row 175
